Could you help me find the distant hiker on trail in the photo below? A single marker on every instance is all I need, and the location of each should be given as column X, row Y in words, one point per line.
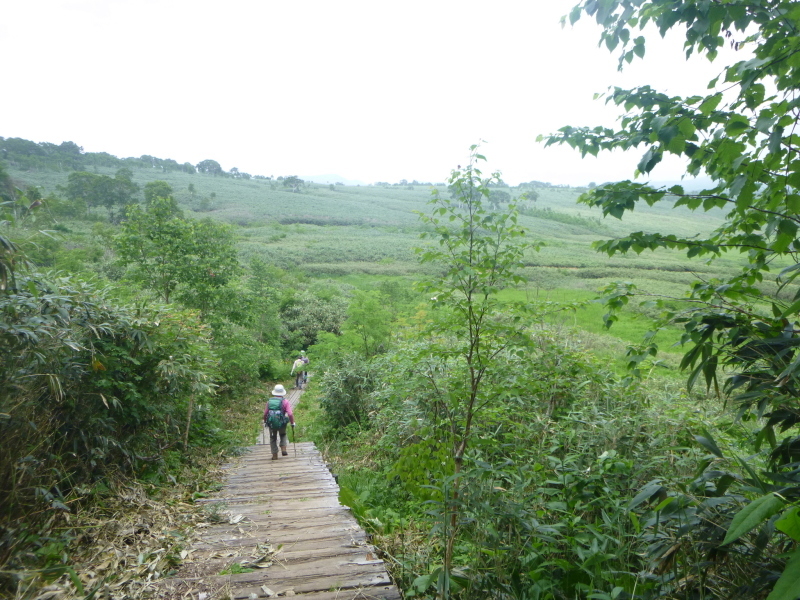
column 299, row 371
column 277, row 414
column 305, row 366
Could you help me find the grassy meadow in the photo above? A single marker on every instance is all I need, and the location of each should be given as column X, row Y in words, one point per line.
column 363, row 235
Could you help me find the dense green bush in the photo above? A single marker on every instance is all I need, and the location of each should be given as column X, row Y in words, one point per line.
column 91, row 388
column 244, row 361
column 560, row 448
column 307, row 313
column 347, row 382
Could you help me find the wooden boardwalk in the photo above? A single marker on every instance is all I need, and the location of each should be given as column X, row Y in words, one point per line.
column 283, row 521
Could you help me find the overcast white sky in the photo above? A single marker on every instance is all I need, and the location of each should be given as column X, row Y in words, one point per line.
column 367, row 90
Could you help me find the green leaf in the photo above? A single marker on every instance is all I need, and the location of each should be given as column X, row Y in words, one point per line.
column 788, row 586
column 709, row 444
column 765, row 122
column 664, row 504
column 793, row 309
column 775, row 139
column 752, row 515
column 650, row 159
column 789, row 523
column 710, row 104
column 650, row 490
column 736, row 125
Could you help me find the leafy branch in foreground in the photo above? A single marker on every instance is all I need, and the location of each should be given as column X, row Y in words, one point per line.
column 742, row 134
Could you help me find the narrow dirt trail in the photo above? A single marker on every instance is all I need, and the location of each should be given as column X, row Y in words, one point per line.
column 284, row 525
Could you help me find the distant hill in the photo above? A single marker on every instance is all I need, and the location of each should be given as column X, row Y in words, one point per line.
column 689, row 183
column 331, row 179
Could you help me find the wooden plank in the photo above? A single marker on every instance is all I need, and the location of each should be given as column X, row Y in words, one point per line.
column 309, row 580
column 296, row 545
column 372, row 593
column 347, row 537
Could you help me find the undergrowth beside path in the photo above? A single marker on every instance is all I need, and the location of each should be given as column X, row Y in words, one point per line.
column 124, row 533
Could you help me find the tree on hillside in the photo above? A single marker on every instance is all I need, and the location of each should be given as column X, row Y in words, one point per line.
column 530, row 195
column 161, row 189
column 210, row 167
column 498, row 197
column 742, row 134
column 166, row 252
column 7, row 187
column 156, row 189
column 293, row 182
column 237, row 174
column 81, row 186
column 114, row 193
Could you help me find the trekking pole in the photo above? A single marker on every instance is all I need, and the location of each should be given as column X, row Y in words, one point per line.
column 294, row 441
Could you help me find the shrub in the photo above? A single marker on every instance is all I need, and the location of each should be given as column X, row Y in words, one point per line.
column 347, row 383
column 90, row 387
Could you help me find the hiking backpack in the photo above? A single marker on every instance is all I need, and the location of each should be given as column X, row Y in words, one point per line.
column 276, row 416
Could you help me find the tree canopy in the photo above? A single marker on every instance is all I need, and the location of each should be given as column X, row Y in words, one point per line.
column 293, row 182
column 741, row 134
column 166, row 251
column 101, row 190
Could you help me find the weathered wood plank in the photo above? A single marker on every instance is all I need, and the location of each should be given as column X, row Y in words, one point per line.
column 308, row 580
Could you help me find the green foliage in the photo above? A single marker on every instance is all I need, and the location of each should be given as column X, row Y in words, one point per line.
column 423, row 462
column 479, row 252
column 594, row 225
column 293, row 182
column 369, row 321
column 744, row 140
column 498, row 197
column 209, row 167
column 244, row 360
column 366, row 330
column 160, row 189
column 307, row 313
column 167, row 251
column 543, row 500
column 705, row 520
column 10, row 207
column 91, row 189
column 347, row 383
column 235, row 569
column 93, row 387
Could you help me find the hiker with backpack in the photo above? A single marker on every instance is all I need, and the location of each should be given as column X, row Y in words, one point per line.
column 277, row 415
column 298, row 370
column 304, row 358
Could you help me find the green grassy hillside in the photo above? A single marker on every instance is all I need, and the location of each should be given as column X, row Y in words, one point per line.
column 362, row 235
